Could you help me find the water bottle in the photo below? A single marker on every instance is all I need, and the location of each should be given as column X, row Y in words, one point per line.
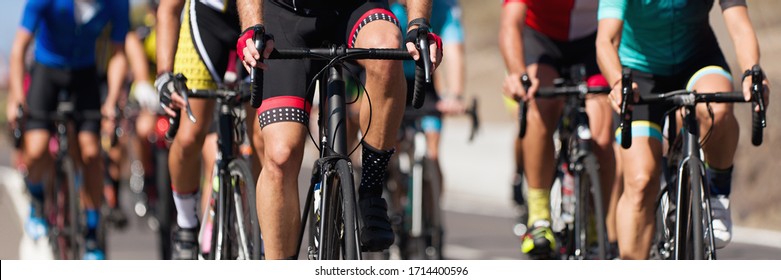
column 568, row 197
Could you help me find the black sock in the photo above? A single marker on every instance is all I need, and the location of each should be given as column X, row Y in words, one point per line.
column 375, row 171
column 720, row 181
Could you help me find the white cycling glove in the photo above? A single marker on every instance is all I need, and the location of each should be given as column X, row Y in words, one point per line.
column 146, row 95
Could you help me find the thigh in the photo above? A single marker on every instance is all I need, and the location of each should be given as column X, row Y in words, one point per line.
column 43, row 95
column 712, row 78
column 287, row 84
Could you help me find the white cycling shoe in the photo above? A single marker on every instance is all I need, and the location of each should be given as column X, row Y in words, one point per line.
column 722, row 220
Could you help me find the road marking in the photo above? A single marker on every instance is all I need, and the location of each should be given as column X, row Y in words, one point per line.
column 455, row 251
column 28, row 249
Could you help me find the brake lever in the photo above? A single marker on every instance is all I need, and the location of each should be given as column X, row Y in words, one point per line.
column 182, row 89
column 425, row 52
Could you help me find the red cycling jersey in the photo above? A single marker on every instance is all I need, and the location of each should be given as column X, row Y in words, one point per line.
column 562, row 20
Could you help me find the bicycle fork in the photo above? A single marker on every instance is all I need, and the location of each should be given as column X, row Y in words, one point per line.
column 692, row 200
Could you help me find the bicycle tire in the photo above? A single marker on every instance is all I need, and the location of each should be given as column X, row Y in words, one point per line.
column 165, row 210
column 697, row 232
column 244, row 234
column 73, row 225
column 433, row 225
column 683, row 212
column 337, row 235
column 594, row 199
column 220, row 220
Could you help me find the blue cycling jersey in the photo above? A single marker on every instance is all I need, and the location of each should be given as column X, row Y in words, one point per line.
column 66, row 30
column 445, row 22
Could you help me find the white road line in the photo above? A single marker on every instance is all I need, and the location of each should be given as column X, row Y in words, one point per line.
column 14, row 186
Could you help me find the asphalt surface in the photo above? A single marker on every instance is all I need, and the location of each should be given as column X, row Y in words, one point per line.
column 478, row 212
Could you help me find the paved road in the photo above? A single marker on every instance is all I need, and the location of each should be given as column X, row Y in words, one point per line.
column 478, row 209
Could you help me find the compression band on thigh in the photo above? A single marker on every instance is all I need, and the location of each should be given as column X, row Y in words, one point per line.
column 431, row 124
column 707, row 70
column 284, row 109
column 642, row 129
column 366, row 18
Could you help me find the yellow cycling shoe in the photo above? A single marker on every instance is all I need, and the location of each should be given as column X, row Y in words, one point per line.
column 539, row 242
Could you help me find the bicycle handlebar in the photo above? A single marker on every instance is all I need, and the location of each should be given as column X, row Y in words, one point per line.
column 681, row 98
column 758, row 120
column 523, row 106
column 334, row 53
column 180, row 85
column 553, row 92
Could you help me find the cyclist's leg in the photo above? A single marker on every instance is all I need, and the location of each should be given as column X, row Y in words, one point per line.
column 145, row 126
column 283, row 138
column 36, row 159
column 85, row 92
column 641, row 164
column 201, row 55
column 538, row 161
column 719, row 130
column 386, row 87
column 256, row 138
column 614, row 195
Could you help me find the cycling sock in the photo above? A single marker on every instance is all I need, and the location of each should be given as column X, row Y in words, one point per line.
column 93, row 217
column 539, row 205
column 720, row 180
column 518, row 188
column 186, row 213
column 35, row 189
column 375, row 171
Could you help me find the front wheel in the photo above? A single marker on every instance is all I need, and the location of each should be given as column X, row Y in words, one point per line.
column 236, row 232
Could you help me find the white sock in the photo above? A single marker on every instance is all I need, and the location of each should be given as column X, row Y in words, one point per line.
column 187, row 214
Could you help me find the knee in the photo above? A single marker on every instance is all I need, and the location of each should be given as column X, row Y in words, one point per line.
column 35, row 151
column 722, row 114
column 380, row 69
column 90, row 154
column 636, row 189
column 189, row 143
column 280, row 159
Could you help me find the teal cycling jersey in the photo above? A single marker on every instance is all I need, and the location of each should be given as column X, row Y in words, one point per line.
column 659, row 35
column 445, row 22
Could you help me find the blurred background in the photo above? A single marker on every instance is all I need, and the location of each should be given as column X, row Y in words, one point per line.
column 478, row 175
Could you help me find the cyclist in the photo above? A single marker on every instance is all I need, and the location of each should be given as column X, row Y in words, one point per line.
column 206, row 35
column 65, row 32
column 309, row 24
column 445, row 20
column 540, row 39
column 685, row 55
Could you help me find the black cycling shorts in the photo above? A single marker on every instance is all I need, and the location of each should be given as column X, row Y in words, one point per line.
column 206, row 38
column 648, row 120
column 285, row 84
column 541, row 49
column 80, row 86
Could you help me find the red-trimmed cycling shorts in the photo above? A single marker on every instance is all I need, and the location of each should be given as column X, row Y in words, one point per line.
column 287, row 89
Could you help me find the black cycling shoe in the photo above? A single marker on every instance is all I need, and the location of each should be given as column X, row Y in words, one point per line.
column 376, row 230
column 185, row 244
